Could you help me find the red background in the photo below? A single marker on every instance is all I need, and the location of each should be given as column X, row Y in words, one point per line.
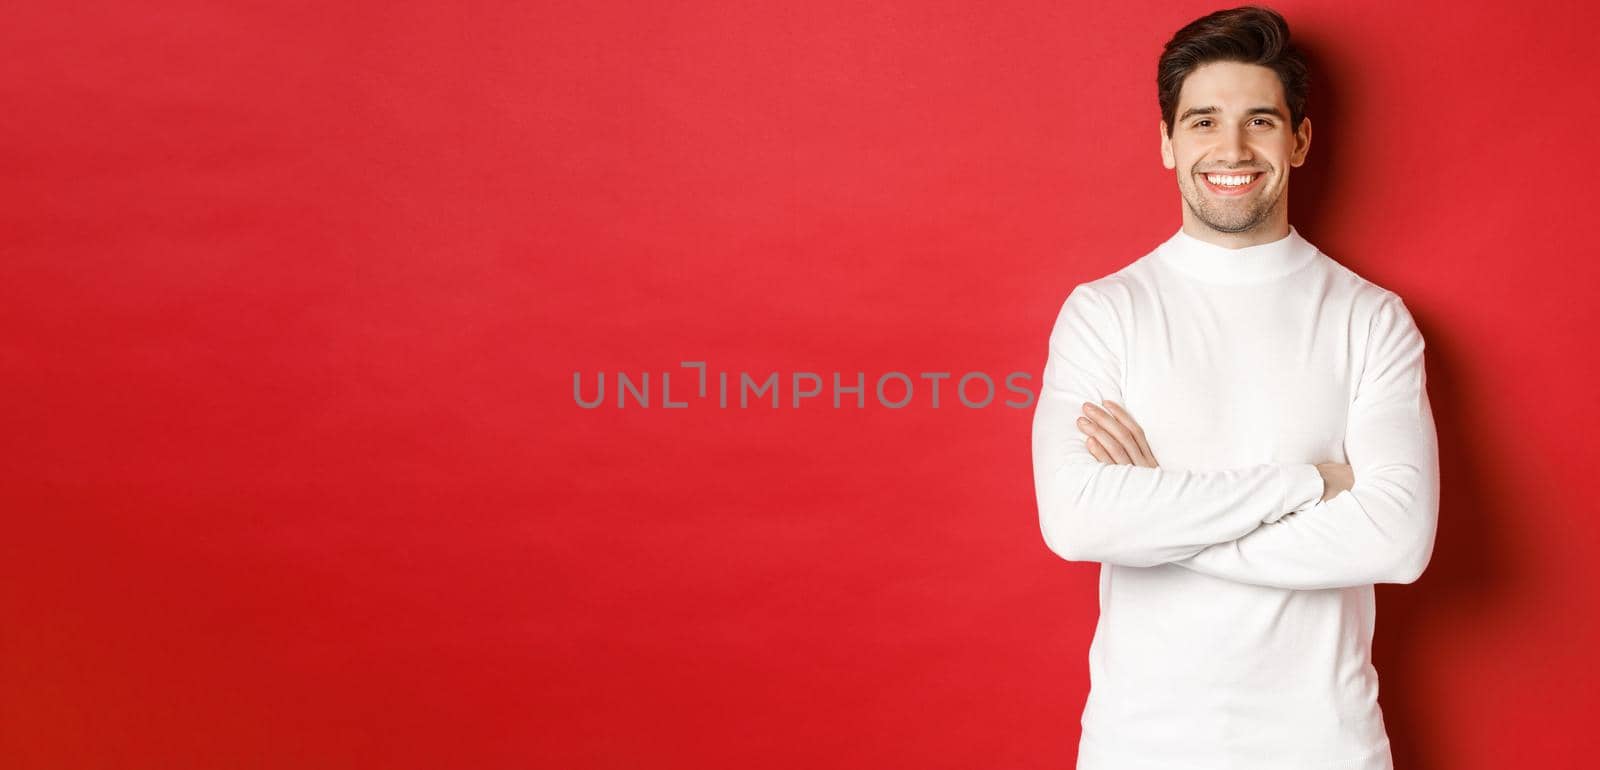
column 292, row 297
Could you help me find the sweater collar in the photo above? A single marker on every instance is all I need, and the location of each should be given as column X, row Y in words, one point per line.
column 1251, row 264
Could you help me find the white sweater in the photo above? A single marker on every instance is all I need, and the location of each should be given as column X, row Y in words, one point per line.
column 1236, row 608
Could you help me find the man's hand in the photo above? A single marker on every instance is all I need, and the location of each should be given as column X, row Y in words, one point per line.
column 1336, row 478
column 1114, row 437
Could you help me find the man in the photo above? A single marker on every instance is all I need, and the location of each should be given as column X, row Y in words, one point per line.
column 1287, row 401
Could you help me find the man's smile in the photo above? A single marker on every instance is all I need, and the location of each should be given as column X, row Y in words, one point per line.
column 1231, row 185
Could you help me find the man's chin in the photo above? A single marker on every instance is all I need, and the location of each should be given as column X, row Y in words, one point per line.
column 1231, row 226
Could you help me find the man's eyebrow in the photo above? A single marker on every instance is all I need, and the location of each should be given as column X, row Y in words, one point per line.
column 1209, row 110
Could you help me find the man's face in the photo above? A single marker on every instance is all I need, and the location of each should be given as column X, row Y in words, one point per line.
column 1232, row 120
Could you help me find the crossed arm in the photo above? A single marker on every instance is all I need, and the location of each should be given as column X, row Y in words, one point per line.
column 1265, row 524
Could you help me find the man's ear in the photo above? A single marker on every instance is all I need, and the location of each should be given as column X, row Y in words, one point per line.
column 1166, row 148
column 1302, row 143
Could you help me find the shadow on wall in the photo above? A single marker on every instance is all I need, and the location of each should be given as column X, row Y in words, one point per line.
column 1471, row 572
column 1472, row 569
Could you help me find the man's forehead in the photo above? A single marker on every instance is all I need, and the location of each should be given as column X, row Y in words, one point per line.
column 1231, row 86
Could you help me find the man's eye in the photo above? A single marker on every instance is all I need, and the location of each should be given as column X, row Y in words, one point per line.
column 1206, row 123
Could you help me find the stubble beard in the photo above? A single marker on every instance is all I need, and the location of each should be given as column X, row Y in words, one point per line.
column 1227, row 217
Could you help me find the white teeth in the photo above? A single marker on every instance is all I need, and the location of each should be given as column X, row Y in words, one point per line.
column 1229, row 181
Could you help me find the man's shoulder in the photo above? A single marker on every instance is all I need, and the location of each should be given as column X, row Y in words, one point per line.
column 1371, row 305
column 1105, row 297
column 1117, row 284
column 1365, row 290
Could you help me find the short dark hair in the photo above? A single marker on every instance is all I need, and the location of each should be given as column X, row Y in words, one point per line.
column 1251, row 34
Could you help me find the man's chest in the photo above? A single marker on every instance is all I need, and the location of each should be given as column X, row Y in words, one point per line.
column 1240, row 378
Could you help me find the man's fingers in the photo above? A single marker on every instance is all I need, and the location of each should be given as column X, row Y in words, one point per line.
column 1133, row 427
column 1112, row 446
column 1118, row 438
column 1097, row 451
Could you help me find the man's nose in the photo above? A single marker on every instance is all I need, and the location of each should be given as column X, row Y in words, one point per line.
column 1234, row 147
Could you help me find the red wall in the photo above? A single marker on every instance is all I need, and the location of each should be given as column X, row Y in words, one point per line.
column 291, row 301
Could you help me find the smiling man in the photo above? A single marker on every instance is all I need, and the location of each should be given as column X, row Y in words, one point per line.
column 1286, row 398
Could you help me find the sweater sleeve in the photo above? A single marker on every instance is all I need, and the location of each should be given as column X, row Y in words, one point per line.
column 1128, row 514
column 1381, row 530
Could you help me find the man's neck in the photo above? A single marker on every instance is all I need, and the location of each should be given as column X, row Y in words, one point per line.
column 1265, row 233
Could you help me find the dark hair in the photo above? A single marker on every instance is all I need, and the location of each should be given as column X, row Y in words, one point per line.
column 1250, row 34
